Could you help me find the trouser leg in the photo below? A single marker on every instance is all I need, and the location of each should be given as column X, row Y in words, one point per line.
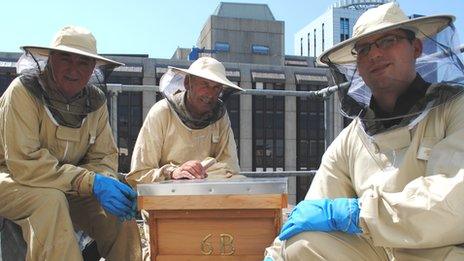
column 115, row 240
column 447, row 253
column 43, row 215
column 324, row 246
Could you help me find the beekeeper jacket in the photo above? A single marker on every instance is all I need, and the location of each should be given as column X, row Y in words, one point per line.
column 165, row 141
column 36, row 151
column 410, row 181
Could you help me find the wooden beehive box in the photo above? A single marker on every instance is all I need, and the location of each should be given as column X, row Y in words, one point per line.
column 213, row 219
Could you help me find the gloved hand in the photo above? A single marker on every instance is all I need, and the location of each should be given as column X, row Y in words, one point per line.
column 341, row 214
column 115, row 197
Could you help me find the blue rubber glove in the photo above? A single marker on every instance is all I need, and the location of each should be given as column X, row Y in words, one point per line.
column 115, row 197
column 326, row 215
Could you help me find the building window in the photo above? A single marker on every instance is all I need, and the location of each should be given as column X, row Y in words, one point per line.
column 344, row 29
column 259, row 49
column 309, row 44
column 310, row 136
column 130, row 119
column 268, row 129
column 222, row 47
column 323, row 38
column 314, row 43
column 233, row 109
column 301, row 46
column 5, row 80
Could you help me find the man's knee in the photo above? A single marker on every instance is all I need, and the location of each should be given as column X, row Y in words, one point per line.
column 306, row 243
column 310, row 245
column 53, row 195
column 314, row 245
column 52, row 199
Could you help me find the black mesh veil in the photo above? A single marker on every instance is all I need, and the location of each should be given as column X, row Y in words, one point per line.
column 440, row 64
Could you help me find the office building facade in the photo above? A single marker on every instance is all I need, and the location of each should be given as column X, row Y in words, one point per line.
column 332, row 27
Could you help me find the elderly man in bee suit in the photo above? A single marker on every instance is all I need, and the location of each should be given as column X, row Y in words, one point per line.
column 391, row 185
column 189, row 128
column 58, row 159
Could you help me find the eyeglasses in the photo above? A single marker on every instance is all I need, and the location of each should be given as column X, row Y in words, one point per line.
column 382, row 43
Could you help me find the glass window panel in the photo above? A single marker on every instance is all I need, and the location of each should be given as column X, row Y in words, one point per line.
column 269, row 105
column 259, row 133
column 222, row 47
column 123, row 142
column 301, row 105
column 259, row 161
column 279, row 120
column 259, row 49
column 269, row 162
column 136, row 99
column 313, row 134
column 269, row 133
column 279, row 162
column 279, row 103
column 258, row 102
column 258, row 121
column 135, row 130
column 123, row 113
column 123, row 99
column 233, row 117
column 279, row 148
column 269, row 148
column 321, row 147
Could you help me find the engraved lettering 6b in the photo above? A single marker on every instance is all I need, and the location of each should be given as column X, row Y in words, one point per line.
column 206, row 248
column 226, row 243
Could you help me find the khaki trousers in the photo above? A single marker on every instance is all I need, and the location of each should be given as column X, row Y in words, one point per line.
column 341, row 246
column 48, row 218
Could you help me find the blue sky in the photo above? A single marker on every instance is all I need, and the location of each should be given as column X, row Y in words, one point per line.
column 156, row 27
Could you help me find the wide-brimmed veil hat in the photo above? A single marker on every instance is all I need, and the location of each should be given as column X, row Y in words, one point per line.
column 76, row 40
column 209, row 69
column 383, row 18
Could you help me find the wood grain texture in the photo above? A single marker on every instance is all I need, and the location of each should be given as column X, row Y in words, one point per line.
column 265, row 201
column 181, row 225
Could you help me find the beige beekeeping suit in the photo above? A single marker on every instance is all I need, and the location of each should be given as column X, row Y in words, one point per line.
column 411, row 188
column 46, row 179
column 164, row 141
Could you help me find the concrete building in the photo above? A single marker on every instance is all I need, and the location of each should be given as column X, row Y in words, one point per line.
column 272, row 132
column 332, row 27
column 241, row 33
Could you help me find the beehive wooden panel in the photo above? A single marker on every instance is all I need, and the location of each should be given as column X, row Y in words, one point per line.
column 212, row 227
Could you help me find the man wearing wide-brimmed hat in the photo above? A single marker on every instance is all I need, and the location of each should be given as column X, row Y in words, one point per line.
column 58, row 159
column 187, row 127
column 391, row 185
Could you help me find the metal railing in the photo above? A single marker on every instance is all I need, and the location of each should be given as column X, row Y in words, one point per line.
column 322, row 93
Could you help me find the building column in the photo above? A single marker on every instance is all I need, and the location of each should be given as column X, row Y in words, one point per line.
column 113, row 93
column 246, row 130
column 246, row 122
column 148, row 97
column 290, row 135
